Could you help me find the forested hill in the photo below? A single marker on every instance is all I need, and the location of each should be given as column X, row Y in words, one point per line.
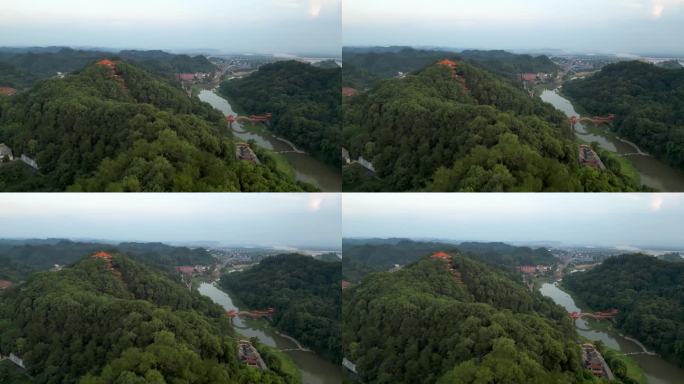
column 304, row 101
column 649, row 294
column 124, row 129
column 428, row 324
column 45, row 63
column 364, row 67
column 305, row 293
column 509, row 65
column 362, row 259
column 18, row 262
column 466, row 130
column 648, row 102
column 103, row 321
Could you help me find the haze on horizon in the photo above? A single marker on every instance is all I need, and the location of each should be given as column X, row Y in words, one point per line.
column 232, row 26
column 606, row 26
column 263, row 219
column 612, row 219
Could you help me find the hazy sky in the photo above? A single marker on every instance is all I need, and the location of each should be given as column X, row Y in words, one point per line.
column 617, row 26
column 277, row 219
column 264, row 26
column 600, row 219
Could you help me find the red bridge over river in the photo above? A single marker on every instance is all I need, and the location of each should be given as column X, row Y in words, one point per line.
column 256, row 314
column 597, row 120
column 610, row 315
column 254, row 119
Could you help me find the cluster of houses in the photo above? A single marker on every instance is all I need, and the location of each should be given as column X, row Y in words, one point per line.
column 244, row 152
column 18, row 361
column 589, row 157
column 361, row 161
column 593, row 361
column 6, row 155
column 7, row 91
column 193, row 270
column 5, row 284
column 533, row 269
column 349, row 92
column 535, row 78
column 250, row 356
column 192, row 77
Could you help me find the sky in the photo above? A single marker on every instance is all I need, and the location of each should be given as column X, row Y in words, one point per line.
column 608, row 26
column 264, row 219
column 233, row 26
column 610, row 219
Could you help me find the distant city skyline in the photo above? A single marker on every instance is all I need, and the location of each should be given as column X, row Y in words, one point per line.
column 618, row 220
column 231, row 26
column 273, row 220
column 607, row 26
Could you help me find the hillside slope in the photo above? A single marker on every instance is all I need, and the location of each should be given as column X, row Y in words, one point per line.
column 361, row 259
column 110, row 319
column 465, row 129
column 118, row 128
column 428, row 323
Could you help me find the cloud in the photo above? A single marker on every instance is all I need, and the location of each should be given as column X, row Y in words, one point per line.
column 658, row 6
column 315, row 201
column 315, row 7
column 657, row 202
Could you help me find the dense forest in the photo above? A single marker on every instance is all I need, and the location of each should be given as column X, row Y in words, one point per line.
column 305, row 293
column 19, row 261
column 648, row 102
column 13, row 77
column 97, row 323
column 466, row 130
column 124, row 129
column 364, row 67
column 649, row 294
column 45, row 63
column 304, row 101
column 361, row 259
column 424, row 325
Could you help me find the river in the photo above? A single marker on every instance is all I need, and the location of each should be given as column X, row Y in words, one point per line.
column 653, row 172
column 657, row 370
column 315, row 370
column 306, row 168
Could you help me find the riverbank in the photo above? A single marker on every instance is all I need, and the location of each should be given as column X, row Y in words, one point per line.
column 278, row 361
column 634, row 162
column 305, row 168
column 654, row 368
column 314, row 369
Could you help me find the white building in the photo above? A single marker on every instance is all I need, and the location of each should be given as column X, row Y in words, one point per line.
column 29, row 161
column 5, row 152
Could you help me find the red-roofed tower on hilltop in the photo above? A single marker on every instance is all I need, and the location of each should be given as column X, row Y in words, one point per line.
column 106, row 63
column 440, row 255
